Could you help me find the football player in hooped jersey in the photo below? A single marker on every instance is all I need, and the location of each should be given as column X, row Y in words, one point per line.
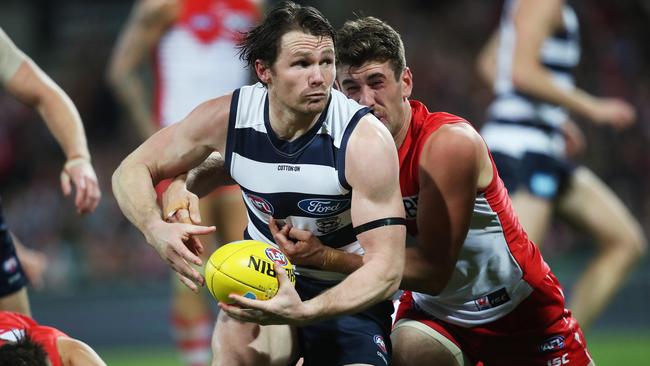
column 479, row 288
column 192, row 48
column 289, row 141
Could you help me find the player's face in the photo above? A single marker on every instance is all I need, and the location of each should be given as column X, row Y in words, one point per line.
column 373, row 84
column 303, row 74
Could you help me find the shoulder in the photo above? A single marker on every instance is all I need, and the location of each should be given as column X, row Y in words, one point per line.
column 371, row 156
column 457, row 141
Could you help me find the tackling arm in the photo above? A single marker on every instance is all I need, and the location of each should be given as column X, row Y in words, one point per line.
column 453, row 165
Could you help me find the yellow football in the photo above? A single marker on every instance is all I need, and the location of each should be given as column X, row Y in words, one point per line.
column 245, row 268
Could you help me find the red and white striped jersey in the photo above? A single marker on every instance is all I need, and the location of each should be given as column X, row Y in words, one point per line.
column 498, row 265
column 197, row 60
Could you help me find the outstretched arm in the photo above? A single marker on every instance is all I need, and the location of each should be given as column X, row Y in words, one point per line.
column 167, row 153
column 33, row 87
column 143, row 30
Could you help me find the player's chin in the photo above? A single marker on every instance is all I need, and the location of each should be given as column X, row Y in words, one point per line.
column 315, row 105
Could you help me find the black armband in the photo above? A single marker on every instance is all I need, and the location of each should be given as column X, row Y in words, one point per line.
column 379, row 223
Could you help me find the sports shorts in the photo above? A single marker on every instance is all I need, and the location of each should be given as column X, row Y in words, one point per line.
column 542, row 175
column 12, row 276
column 358, row 338
column 540, row 331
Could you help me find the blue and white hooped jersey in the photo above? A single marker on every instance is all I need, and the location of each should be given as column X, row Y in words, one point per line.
column 301, row 182
column 518, row 122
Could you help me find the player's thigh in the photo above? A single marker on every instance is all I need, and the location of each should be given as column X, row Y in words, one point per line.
column 238, row 343
column 414, row 343
column 534, row 213
column 591, row 204
column 17, row 302
column 226, row 210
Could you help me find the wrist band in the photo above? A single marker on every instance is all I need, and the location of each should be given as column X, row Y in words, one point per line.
column 379, row 223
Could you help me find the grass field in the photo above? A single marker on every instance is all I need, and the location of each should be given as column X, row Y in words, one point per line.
column 621, row 349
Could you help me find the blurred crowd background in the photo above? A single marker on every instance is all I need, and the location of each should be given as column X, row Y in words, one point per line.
column 101, row 263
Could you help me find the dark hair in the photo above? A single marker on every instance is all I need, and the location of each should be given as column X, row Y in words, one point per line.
column 24, row 352
column 263, row 41
column 370, row 39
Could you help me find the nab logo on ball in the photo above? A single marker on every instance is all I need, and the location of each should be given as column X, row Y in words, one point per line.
column 276, row 256
column 260, row 203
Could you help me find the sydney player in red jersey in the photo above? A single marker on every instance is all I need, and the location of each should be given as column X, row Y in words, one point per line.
column 25, row 342
column 191, row 45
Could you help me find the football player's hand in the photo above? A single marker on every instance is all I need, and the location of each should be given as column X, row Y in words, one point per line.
column 80, row 173
column 300, row 246
column 614, row 112
column 285, row 307
column 170, row 241
column 181, row 205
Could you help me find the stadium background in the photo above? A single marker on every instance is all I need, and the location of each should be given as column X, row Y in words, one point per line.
column 106, row 286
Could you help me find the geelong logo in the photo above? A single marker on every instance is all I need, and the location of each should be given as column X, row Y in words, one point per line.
column 276, row 256
column 323, row 206
column 260, row 203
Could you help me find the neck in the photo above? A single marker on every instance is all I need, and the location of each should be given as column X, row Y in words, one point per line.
column 289, row 124
column 401, row 134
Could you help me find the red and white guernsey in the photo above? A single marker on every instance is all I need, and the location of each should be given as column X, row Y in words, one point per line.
column 14, row 326
column 498, row 265
column 197, row 60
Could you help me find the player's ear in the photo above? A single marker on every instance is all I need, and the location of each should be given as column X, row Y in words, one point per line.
column 263, row 71
column 407, row 82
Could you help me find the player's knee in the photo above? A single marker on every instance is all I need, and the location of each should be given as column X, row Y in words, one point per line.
column 412, row 347
column 634, row 242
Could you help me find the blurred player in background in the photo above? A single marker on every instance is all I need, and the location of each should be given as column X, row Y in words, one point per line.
column 191, row 46
column 529, row 62
column 480, row 289
column 22, row 78
column 26, row 343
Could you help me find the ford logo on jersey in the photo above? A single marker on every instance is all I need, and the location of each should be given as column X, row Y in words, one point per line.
column 323, row 206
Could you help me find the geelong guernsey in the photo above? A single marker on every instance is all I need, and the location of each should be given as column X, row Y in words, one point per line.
column 498, row 265
column 197, row 60
column 518, row 122
column 301, row 182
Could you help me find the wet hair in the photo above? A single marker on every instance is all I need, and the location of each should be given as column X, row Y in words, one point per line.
column 370, row 39
column 24, row 352
column 263, row 41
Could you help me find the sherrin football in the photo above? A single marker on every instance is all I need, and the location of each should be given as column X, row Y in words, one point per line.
column 245, row 268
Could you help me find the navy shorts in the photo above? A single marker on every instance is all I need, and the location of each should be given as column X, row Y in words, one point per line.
column 542, row 175
column 358, row 338
column 12, row 277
